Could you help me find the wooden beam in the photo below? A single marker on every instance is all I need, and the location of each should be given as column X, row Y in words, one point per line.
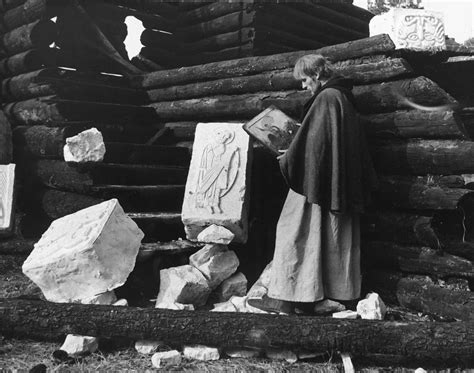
column 30, row 60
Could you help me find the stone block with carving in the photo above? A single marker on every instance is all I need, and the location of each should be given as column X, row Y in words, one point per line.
column 218, row 184
column 87, row 146
column 7, row 186
column 184, row 284
column 415, row 29
column 84, row 254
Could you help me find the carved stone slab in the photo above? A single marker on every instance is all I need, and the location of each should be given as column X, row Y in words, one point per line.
column 218, row 185
column 7, row 184
column 416, row 29
column 84, row 254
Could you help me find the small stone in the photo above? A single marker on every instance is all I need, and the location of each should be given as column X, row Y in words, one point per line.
column 245, row 353
column 76, row 345
column 420, row 370
column 372, row 307
column 87, row 146
column 347, row 314
column 224, row 307
column 276, row 354
column 166, row 358
column 147, row 347
column 201, row 353
column 121, row 302
column 184, row 284
column 216, row 234
column 235, row 285
column 327, row 306
column 175, row 306
column 202, row 256
column 106, row 298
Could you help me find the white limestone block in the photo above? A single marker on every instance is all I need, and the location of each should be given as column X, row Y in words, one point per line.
column 235, row 285
column 260, row 288
column 106, row 298
column 218, row 184
column 87, row 146
column 76, row 345
column 420, row 370
column 166, row 358
column 415, row 29
column 121, row 302
column 86, row 253
column 372, row 307
column 175, row 306
column 245, row 353
column 7, row 185
column 184, row 284
column 277, row 354
column 328, row 306
column 147, row 347
column 218, row 268
column 347, row 314
column 216, row 234
column 201, row 353
column 224, row 307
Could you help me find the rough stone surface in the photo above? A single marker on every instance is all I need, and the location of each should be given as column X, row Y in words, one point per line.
column 235, row 285
column 166, row 358
column 108, row 297
column 372, row 307
column 201, row 353
column 147, row 347
column 87, row 146
column 216, row 234
column 219, row 267
column 347, row 314
column 217, row 188
column 224, row 307
column 328, row 306
column 277, row 354
column 183, row 284
column 202, row 256
column 175, row 306
column 7, row 185
column 245, row 353
column 121, row 302
column 415, row 29
column 76, row 345
column 86, row 253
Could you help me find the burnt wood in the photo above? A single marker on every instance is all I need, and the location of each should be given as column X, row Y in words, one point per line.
column 10, row 4
column 29, row 11
column 210, row 11
column 30, row 60
column 159, row 39
column 221, row 41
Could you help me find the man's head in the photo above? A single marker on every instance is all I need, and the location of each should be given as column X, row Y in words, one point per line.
column 313, row 70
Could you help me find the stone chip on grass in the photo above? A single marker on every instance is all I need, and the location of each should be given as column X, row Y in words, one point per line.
column 166, row 358
column 199, row 352
column 77, row 345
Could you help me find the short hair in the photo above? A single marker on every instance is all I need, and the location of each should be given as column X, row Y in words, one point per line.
column 312, row 64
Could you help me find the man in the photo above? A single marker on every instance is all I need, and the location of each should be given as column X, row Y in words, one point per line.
column 329, row 173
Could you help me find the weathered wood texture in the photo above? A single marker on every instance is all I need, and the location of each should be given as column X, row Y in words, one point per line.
column 422, row 294
column 6, row 144
column 30, row 60
column 246, row 66
column 210, row 11
column 431, row 341
column 218, row 42
column 29, row 11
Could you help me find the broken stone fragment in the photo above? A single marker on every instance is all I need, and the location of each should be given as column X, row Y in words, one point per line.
column 205, row 254
column 76, row 345
column 235, row 285
column 218, row 184
column 216, row 234
column 175, row 306
column 106, row 298
column 184, row 284
column 166, row 358
column 372, row 307
column 277, row 354
column 147, row 347
column 327, row 306
column 201, row 353
column 87, row 146
column 224, row 307
column 245, row 353
column 347, row 314
column 219, row 266
column 121, row 302
column 86, row 253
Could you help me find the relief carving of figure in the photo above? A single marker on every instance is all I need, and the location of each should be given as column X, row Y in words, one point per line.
column 421, row 30
column 220, row 161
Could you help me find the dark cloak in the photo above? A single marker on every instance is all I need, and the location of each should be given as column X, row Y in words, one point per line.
column 328, row 160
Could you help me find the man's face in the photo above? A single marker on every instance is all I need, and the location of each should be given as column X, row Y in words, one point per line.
column 310, row 82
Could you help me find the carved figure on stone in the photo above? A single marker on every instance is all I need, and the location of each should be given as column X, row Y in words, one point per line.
column 418, row 31
column 219, row 166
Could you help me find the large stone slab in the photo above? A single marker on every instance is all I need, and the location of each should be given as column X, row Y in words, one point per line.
column 87, row 146
column 218, row 185
column 84, row 254
column 415, row 29
column 7, row 186
column 184, row 284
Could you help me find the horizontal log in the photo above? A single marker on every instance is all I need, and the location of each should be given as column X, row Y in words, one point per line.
column 345, row 8
column 265, row 32
column 30, row 11
column 375, row 45
column 210, row 11
column 52, row 111
column 146, row 154
column 442, row 342
column 30, row 60
column 422, row 157
column 145, row 64
column 279, row 80
column 416, row 124
column 154, row 38
column 161, row 56
column 422, row 294
column 218, row 42
column 38, row 34
column 458, row 246
column 6, row 144
column 419, row 194
column 175, row 247
column 415, row 259
column 10, row 4
column 240, row 51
